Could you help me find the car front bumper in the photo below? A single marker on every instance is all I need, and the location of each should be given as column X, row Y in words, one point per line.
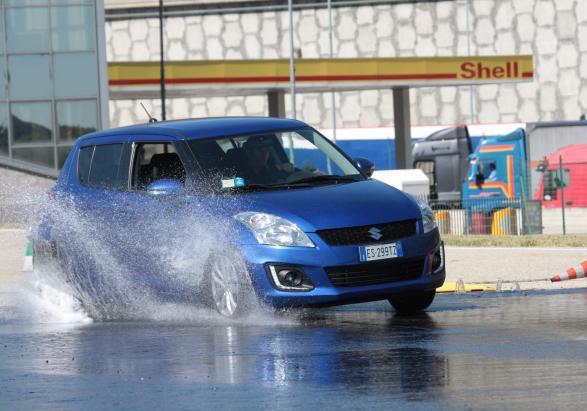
column 314, row 261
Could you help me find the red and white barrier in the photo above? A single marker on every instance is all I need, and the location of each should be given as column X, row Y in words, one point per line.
column 572, row 273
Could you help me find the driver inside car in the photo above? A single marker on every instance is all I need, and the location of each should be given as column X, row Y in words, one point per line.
column 262, row 169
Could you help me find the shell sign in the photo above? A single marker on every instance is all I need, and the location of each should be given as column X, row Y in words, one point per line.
column 318, row 74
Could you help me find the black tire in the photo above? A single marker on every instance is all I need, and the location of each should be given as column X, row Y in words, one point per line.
column 412, row 303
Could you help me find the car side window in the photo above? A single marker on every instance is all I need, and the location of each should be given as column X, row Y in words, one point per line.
column 155, row 161
column 83, row 163
column 98, row 166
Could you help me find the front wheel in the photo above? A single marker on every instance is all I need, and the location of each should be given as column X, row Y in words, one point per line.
column 412, row 303
column 230, row 287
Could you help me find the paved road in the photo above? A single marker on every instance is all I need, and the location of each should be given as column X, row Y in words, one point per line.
column 12, row 249
column 474, row 351
column 531, row 267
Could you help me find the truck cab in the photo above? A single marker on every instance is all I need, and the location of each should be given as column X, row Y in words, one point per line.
column 444, row 157
column 497, row 169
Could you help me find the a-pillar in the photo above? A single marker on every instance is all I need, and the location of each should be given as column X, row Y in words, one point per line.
column 276, row 103
column 402, row 126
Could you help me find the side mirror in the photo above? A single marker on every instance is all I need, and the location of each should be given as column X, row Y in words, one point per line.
column 365, row 165
column 165, row 186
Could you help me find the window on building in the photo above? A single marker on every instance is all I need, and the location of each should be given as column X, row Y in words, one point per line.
column 31, row 122
column 76, row 75
column 2, row 79
column 3, row 130
column 42, row 156
column 73, row 28
column 2, row 36
column 62, row 153
column 27, row 28
column 75, row 118
column 29, row 77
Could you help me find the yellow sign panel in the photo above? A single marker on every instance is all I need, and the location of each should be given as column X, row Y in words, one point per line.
column 325, row 73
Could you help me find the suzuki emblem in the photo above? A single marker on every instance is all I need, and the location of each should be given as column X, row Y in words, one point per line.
column 375, row 233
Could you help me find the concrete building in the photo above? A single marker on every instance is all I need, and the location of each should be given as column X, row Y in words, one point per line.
column 553, row 31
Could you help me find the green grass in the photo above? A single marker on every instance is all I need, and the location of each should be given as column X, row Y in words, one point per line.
column 573, row 240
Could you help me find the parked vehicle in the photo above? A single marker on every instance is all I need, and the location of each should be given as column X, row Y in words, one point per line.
column 444, row 157
column 302, row 234
column 497, row 168
column 572, row 177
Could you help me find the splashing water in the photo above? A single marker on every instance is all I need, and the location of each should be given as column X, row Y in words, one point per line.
column 114, row 267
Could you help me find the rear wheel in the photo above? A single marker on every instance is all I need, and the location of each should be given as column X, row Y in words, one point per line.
column 230, row 288
column 412, row 303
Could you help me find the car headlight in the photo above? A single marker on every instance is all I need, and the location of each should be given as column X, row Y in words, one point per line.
column 428, row 220
column 273, row 230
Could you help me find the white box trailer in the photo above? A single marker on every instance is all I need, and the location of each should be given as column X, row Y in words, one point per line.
column 411, row 181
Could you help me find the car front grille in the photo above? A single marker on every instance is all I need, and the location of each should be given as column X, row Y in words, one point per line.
column 376, row 273
column 361, row 235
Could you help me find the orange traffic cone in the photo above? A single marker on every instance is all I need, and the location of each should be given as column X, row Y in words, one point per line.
column 572, row 273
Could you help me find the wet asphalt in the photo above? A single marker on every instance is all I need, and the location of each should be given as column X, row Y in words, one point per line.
column 524, row 350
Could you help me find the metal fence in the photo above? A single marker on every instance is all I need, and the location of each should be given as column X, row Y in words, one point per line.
column 563, row 192
column 557, row 206
column 485, row 216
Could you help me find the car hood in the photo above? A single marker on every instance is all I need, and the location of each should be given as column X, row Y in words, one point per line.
column 330, row 206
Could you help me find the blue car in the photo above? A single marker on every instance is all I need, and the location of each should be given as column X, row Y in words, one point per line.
column 283, row 216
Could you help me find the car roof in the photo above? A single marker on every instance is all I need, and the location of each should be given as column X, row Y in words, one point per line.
column 204, row 127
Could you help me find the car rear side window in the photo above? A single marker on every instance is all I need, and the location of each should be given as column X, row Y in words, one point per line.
column 84, row 162
column 99, row 166
column 105, row 165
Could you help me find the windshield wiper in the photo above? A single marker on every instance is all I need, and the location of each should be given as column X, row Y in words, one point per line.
column 250, row 187
column 323, row 178
column 304, row 182
column 253, row 187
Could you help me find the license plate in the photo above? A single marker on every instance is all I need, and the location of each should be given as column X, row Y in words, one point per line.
column 380, row 251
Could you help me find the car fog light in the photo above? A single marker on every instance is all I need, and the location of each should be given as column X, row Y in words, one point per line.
column 436, row 259
column 289, row 279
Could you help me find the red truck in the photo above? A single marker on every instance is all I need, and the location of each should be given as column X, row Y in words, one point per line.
column 573, row 177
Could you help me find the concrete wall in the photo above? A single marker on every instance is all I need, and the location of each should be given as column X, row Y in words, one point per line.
column 554, row 31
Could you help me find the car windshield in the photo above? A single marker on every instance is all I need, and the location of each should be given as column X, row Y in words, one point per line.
column 271, row 161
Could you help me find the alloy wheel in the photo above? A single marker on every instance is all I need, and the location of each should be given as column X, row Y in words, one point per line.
column 226, row 285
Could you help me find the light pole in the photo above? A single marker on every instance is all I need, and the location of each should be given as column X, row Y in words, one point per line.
column 331, row 39
column 162, row 61
column 292, row 68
